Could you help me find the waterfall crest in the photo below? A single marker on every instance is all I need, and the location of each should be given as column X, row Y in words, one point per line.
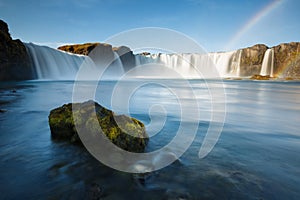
column 225, row 64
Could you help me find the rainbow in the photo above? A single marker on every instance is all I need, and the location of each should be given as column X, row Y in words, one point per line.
column 254, row 20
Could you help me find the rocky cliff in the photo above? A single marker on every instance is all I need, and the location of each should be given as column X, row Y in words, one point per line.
column 251, row 59
column 103, row 53
column 14, row 60
column 286, row 60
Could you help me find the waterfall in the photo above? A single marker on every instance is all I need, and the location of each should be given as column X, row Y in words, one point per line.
column 54, row 64
column 114, row 69
column 267, row 67
column 235, row 65
column 193, row 65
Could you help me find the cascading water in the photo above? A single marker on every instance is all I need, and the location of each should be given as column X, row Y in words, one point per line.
column 267, row 67
column 54, row 64
column 222, row 64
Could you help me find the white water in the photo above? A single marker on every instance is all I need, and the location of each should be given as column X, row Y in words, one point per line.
column 223, row 64
column 54, row 64
column 268, row 63
column 59, row 65
column 115, row 69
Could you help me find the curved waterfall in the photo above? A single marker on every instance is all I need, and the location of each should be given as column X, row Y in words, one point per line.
column 225, row 64
column 54, row 64
column 50, row 63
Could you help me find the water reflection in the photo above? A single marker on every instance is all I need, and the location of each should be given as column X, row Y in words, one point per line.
column 256, row 157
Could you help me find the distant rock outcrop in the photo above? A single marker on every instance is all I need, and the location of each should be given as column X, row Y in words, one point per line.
column 92, row 119
column 103, row 53
column 287, row 59
column 251, row 59
column 14, row 60
column 83, row 49
column 127, row 57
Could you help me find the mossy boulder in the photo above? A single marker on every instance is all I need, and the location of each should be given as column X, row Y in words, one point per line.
column 125, row 132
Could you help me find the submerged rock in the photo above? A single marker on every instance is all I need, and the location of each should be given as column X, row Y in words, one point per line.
column 125, row 132
column 3, row 110
column 94, row 192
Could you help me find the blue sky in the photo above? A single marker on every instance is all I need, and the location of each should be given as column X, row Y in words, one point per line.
column 214, row 24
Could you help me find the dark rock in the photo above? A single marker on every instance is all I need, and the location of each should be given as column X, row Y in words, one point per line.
column 102, row 53
column 145, row 54
column 115, row 127
column 14, row 60
column 94, row 192
column 3, row 110
column 127, row 57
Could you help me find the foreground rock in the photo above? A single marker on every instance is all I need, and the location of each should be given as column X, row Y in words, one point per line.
column 14, row 60
column 63, row 128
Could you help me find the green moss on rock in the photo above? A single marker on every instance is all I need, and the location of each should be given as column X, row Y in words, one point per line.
column 125, row 132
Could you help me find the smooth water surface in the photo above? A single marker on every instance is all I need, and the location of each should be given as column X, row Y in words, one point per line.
column 256, row 157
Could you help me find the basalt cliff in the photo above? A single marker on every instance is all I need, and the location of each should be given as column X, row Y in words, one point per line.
column 14, row 61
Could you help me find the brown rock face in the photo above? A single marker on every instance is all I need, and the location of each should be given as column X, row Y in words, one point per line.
column 83, row 49
column 14, row 60
column 251, row 59
column 287, row 60
column 102, row 53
